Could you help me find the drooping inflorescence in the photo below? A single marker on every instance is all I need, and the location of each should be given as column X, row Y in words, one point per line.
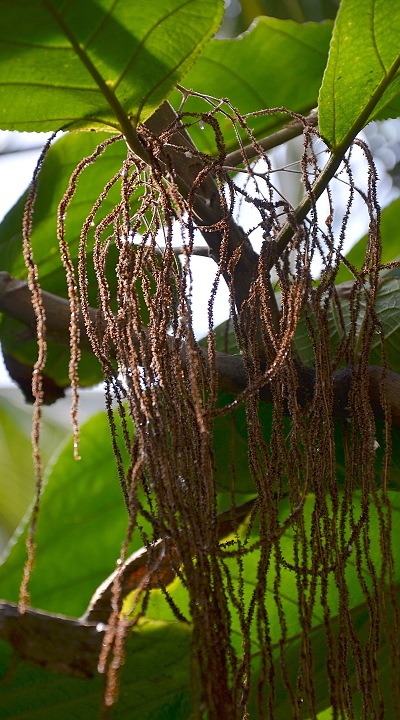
column 310, row 527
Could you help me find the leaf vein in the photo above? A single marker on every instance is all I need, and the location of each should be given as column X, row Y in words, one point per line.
column 144, row 39
column 374, row 39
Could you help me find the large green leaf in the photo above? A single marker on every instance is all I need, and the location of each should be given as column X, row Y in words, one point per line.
column 80, row 531
column 96, row 62
column 231, row 448
column 160, row 610
column 61, row 161
column 155, row 682
column 387, row 307
column 17, row 475
column 362, row 80
column 320, row 650
column 277, row 63
column 20, row 352
column 79, row 537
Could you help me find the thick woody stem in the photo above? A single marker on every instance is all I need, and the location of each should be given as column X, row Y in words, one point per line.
column 15, row 301
column 181, row 154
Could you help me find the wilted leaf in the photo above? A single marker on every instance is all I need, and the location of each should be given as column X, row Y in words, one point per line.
column 154, row 565
column 67, row 646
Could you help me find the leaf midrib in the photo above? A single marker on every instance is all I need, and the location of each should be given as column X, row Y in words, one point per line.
column 107, row 92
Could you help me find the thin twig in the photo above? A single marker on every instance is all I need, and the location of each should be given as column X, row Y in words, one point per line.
column 294, row 129
column 284, row 237
column 197, row 250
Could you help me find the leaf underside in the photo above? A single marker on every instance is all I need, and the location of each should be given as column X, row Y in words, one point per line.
column 80, row 65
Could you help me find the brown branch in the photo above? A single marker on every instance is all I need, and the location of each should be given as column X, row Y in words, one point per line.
column 56, row 642
column 181, row 154
column 72, row 647
column 15, row 301
column 149, row 567
column 197, row 250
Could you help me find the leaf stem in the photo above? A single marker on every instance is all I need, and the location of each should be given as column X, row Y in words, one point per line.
column 285, row 235
column 365, row 115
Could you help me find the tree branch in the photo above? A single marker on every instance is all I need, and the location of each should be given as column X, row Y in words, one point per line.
column 181, row 154
column 67, row 646
column 15, row 301
column 72, row 646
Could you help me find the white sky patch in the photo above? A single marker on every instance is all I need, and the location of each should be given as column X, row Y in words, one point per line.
column 16, row 170
column 19, row 153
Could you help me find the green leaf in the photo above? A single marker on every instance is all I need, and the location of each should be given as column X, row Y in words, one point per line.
column 81, row 527
column 225, row 338
column 230, row 444
column 277, row 63
column 159, row 609
column 361, row 78
column 61, row 161
column 387, row 308
column 155, row 682
column 156, row 676
column 94, row 63
column 319, row 644
column 233, row 473
column 21, row 351
column 17, row 476
column 388, row 311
